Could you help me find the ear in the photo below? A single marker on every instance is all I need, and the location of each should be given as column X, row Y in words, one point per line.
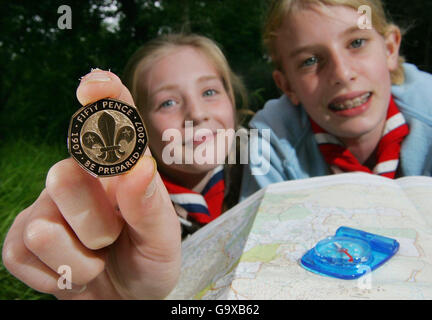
column 393, row 40
column 283, row 84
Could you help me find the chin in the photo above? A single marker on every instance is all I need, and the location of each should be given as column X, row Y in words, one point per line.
column 355, row 133
column 357, row 127
column 193, row 168
column 201, row 168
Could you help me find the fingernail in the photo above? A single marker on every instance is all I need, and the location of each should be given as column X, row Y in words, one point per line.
column 96, row 77
column 78, row 289
column 152, row 186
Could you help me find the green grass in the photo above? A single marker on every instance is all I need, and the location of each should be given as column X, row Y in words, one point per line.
column 23, row 167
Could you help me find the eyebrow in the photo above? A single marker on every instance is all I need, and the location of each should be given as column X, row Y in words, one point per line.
column 353, row 29
column 165, row 88
column 173, row 86
column 208, row 78
column 346, row 32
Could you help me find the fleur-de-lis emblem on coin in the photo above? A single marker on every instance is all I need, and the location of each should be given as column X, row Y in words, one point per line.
column 108, row 143
column 107, row 137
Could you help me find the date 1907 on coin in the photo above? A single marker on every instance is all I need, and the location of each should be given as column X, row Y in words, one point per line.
column 107, row 137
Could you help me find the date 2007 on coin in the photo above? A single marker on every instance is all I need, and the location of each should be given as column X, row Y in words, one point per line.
column 107, row 137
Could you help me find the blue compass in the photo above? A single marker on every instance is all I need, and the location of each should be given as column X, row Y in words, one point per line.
column 342, row 251
column 349, row 254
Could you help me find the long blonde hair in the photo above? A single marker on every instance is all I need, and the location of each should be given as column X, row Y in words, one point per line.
column 143, row 58
column 279, row 9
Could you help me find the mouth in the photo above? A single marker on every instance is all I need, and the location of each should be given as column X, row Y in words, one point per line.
column 341, row 104
column 199, row 139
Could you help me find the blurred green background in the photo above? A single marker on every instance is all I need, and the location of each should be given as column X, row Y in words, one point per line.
column 40, row 65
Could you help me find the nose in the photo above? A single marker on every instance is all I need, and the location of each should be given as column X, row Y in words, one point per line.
column 195, row 110
column 342, row 70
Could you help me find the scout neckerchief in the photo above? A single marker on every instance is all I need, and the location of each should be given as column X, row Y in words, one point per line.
column 388, row 149
column 201, row 207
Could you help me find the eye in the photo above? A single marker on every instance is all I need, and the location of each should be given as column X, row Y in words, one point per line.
column 209, row 93
column 167, row 104
column 357, row 43
column 309, row 62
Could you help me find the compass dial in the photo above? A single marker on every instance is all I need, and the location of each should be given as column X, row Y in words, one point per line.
column 342, row 251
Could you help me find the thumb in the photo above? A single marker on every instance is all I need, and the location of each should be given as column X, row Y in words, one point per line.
column 99, row 84
column 147, row 208
column 153, row 253
column 96, row 85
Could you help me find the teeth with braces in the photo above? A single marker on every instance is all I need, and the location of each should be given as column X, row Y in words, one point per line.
column 352, row 103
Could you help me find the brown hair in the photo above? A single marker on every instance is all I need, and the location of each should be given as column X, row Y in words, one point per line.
column 279, row 9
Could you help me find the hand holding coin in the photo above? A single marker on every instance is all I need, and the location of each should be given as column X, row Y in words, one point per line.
column 119, row 235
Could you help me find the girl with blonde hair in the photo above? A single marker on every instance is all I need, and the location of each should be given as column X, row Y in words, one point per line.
column 199, row 89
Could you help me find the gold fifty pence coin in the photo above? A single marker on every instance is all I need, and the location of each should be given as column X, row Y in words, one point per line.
column 107, row 137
